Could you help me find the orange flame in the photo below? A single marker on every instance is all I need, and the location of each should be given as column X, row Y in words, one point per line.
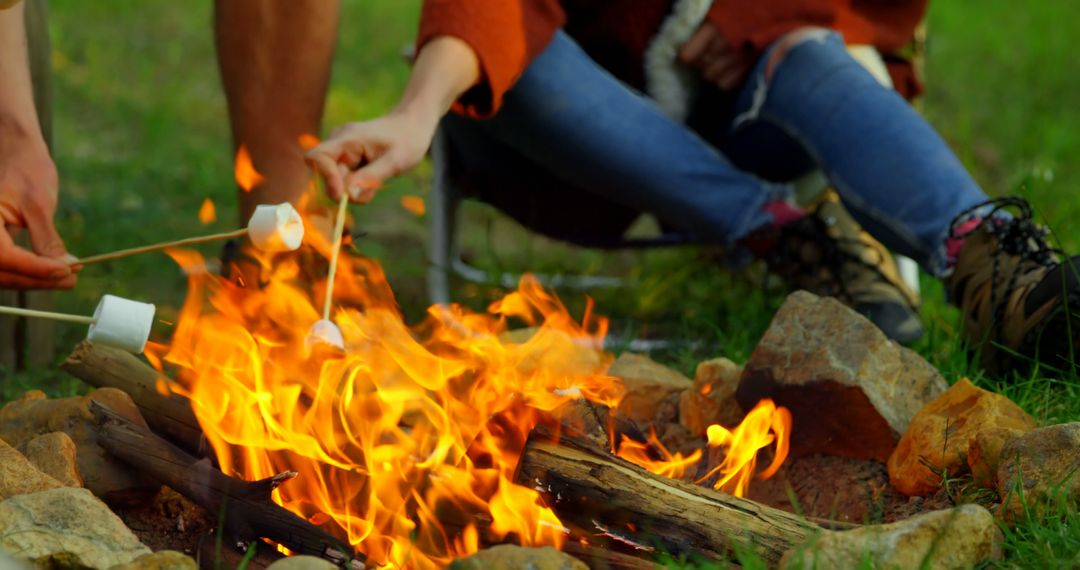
column 407, row 441
column 246, row 175
column 764, row 425
column 207, row 212
column 406, row 428
column 307, row 141
column 414, row 205
column 673, row 465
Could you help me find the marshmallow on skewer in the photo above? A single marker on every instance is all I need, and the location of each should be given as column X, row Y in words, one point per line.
column 276, row 227
column 117, row 322
column 272, row 228
column 122, row 323
column 324, row 331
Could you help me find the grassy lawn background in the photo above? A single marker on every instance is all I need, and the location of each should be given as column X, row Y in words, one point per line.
column 142, row 139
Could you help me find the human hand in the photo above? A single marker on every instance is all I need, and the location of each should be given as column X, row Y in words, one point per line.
column 718, row 62
column 28, row 196
column 359, row 157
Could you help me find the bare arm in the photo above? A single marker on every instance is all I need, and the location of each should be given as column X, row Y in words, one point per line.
column 445, row 69
column 28, row 180
column 17, row 114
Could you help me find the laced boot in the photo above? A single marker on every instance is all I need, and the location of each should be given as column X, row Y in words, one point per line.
column 828, row 254
column 1013, row 293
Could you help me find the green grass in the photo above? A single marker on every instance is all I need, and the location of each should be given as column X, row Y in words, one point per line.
column 142, row 140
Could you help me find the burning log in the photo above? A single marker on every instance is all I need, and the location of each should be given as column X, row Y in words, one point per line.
column 246, row 507
column 588, row 487
column 170, row 416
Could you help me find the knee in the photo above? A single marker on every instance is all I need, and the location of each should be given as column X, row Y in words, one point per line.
column 806, row 36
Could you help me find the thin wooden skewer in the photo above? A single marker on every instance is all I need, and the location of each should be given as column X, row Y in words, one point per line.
column 159, row 246
column 47, row 315
column 339, row 227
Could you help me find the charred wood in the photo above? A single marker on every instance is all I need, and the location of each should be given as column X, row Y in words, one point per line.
column 247, row 510
column 589, row 488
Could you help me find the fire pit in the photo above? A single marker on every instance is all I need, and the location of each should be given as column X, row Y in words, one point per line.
column 414, row 446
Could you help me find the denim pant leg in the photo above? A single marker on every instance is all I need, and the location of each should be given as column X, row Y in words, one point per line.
column 571, row 117
column 895, row 173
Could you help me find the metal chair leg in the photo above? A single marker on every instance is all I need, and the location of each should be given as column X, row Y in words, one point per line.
column 442, row 222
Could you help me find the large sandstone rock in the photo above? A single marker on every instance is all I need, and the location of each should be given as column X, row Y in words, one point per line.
column 851, row 390
column 512, row 557
column 66, row 528
column 56, row 456
column 940, row 436
column 711, row 400
column 647, row 385
column 18, row 476
column 106, row 476
column 960, row 538
column 161, row 560
column 1039, row 466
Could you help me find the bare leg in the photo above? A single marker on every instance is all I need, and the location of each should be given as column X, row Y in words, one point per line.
column 275, row 65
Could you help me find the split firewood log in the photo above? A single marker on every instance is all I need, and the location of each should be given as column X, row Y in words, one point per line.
column 246, row 507
column 587, row 486
column 168, row 415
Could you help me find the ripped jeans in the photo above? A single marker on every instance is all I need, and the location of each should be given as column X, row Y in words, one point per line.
column 569, row 122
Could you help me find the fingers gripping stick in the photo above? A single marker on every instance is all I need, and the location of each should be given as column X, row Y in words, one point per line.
column 324, row 330
column 117, row 322
column 271, row 228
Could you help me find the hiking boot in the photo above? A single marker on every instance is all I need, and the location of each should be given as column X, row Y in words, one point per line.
column 1012, row 291
column 828, row 254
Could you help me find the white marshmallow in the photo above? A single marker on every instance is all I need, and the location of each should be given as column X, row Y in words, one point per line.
column 325, row 332
column 276, row 227
column 122, row 323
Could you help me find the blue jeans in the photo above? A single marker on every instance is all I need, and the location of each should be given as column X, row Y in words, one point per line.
column 568, row 121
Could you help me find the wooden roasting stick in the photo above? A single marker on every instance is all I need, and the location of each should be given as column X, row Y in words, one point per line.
column 339, row 227
column 106, row 367
column 272, row 228
column 248, row 511
column 159, row 247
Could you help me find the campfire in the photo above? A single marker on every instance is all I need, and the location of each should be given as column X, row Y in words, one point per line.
column 412, row 446
column 408, row 428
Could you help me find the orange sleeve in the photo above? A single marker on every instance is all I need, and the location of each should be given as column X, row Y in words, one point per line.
column 505, row 34
column 752, row 26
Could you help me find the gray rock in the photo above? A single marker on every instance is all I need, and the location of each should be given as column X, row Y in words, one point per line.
column 301, row 563
column 66, row 528
column 850, row 389
column 9, row 563
column 963, row 537
column 513, row 557
column 1040, row 464
column 161, row 560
